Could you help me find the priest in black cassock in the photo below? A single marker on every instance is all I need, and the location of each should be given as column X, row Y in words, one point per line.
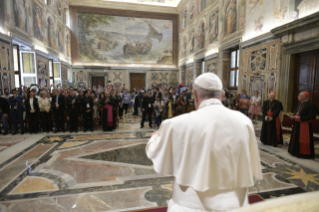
column 271, row 133
column 301, row 141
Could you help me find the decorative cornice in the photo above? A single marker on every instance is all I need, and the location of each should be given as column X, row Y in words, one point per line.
column 97, row 67
column 232, row 41
column 230, row 44
column 53, row 55
column 165, row 70
column 264, row 38
column 211, row 57
column 78, row 67
column 182, row 62
column 19, row 40
column 65, row 64
column 189, row 64
column 109, row 68
column 300, row 23
column 42, row 54
column 5, row 38
column 200, row 54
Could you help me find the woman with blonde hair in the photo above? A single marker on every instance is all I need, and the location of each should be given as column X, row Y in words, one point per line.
column 45, row 107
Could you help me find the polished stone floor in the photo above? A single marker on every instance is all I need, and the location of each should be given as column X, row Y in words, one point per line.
column 110, row 172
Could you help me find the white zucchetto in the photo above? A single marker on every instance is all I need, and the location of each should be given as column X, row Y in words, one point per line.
column 209, row 81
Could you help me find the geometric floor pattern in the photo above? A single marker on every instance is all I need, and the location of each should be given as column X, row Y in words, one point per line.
column 110, row 172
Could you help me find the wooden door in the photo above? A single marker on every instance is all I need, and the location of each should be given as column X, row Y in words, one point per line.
column 307, row 77
column 137, row 81
column 98, row 81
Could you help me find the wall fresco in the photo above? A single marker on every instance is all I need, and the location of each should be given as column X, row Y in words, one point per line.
column 115, row 39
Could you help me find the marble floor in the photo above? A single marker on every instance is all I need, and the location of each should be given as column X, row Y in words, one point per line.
column 110, row 172
column 8, row 141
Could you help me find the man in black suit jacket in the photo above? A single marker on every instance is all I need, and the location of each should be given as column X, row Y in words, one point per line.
column 58, row 107
column 73, row 107
column 4, row 106
column 147, row 109
column 156, row 93
column 87, row 109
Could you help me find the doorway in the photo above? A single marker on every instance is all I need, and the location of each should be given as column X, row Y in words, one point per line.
column 307, row 76
column 137, row 81
column 96, row 81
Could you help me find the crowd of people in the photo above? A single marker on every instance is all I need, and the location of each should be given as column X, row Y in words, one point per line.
column 46, row 110
column 56, row 109
column 242, row 102
column 62, row 108
column 162, row 103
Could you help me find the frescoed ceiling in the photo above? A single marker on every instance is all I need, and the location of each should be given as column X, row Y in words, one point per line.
column 167, row 3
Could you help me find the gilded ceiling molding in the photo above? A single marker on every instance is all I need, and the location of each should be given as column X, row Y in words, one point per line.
column 124, row 6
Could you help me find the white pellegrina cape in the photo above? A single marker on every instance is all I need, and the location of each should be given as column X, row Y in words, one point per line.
column 211, row 148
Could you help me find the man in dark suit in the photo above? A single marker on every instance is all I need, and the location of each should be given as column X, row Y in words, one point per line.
column 147, row 109
column 156, row 93
column 4, row 106
column 58, row 107
column 32, row 109
column 16, row 110
column 73, row 107
column 87, row 109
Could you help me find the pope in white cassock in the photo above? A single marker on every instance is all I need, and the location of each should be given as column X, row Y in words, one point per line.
column 211, row 152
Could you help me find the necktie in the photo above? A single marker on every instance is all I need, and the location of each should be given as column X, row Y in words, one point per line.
column 57, row 99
